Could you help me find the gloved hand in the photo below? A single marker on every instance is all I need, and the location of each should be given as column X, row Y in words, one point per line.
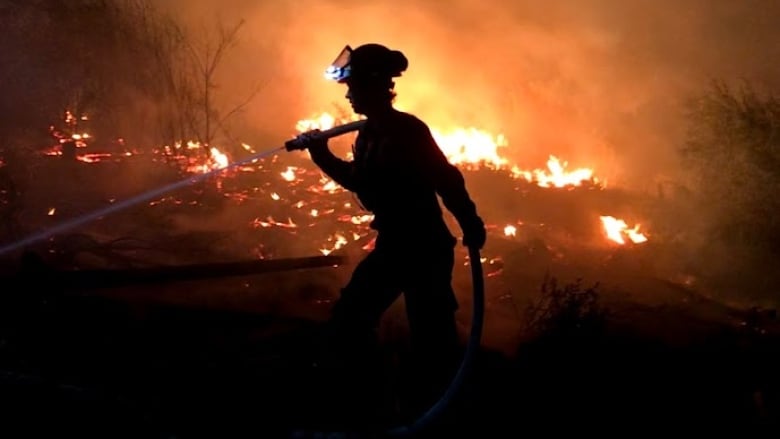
column 474, row 233
column 309, row 140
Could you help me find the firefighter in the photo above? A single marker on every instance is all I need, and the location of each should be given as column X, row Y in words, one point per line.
column 396, row 172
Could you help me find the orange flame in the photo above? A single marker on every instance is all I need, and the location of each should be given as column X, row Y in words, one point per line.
column 617, row 231
column 475, row 147
column 557, row 176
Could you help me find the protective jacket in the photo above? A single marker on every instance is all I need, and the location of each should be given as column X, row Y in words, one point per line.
column 397, row 171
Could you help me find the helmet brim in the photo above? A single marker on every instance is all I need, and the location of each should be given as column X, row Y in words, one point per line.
column 339, row 70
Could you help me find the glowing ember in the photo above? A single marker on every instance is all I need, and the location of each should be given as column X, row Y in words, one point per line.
column 338, row 240
column 270, row 222
column 71, row 134
column 51, row 211
column 289, row 174
column 327, row 185
column 617, row 231
column 216, row 160
column 313, row 200
column 482, row 260
column 362, row 219
column 92, row 158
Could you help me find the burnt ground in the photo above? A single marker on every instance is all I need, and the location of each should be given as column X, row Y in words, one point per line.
column 652, row 348
column 125, row 363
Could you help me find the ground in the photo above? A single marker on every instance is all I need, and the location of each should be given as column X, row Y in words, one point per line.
column 578, row 336
column 105, row 364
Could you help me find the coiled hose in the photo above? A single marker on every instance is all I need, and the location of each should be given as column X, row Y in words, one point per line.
column 466, row 366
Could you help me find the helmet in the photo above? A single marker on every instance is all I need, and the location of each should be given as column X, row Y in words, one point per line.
column 369, row 61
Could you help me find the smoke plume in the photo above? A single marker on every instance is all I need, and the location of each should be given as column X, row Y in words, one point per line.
column 599, row 82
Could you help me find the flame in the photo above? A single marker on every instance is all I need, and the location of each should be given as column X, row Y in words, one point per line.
column 215, row 160
column 72, row 135
column 271, row 222
column 323, row 121
column 220, row 158
column 289, row 174
column 338, row 240
column 617, row 231
column 557, row 176
column 464, row 147
column 471, row 147
column 51, row 211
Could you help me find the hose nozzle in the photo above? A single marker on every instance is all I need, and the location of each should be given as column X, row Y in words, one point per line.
column 303, row 140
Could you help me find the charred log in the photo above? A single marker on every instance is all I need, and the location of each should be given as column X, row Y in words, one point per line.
column 37, row 272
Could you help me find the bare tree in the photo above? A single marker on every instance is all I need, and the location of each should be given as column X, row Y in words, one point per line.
column 125, row 63
column 206, row 55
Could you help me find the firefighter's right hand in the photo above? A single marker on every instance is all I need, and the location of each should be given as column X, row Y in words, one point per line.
column 474, row 233
column 310, row 140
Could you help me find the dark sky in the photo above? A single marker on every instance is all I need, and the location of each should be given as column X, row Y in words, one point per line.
column 598, row 82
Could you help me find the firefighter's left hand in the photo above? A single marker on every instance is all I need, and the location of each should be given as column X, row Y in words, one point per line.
column 309, row 140
column 313, row 141
column 474, row 233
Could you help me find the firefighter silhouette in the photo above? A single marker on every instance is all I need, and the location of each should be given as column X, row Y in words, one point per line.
column 398, row 172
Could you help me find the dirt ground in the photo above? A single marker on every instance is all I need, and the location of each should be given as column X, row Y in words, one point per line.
column 637, row 344
column 233, row 357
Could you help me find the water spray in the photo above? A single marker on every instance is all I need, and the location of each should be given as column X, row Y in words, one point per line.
column 297, row 143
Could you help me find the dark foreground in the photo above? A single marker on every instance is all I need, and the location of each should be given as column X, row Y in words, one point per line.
column 76, row 366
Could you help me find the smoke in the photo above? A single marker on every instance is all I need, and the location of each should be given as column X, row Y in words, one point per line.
column 598, row 82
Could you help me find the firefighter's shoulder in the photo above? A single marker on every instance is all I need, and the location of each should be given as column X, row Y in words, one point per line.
column 410, row 122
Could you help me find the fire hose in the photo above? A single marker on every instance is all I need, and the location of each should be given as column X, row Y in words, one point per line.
column 469, row 357
column 427, row 418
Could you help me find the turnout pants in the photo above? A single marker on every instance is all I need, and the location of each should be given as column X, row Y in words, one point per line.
column 423, row 274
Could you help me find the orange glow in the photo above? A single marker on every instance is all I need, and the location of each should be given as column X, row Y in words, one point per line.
column 618, row 231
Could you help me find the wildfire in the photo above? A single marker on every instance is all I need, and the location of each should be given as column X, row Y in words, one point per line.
column 556, row 175
column 617, row 231
column 472, row 147
column 322, row 121
column 313, row 200
column 71, row 133
column 338, row 241
column 216, row 159
column 289, row 173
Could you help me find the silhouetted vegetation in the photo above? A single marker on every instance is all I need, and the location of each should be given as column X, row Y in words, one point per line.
column 135, row 71
column 733, row 150
column 566, row 312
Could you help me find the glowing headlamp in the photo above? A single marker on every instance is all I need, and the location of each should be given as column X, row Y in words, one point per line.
column 339, row 70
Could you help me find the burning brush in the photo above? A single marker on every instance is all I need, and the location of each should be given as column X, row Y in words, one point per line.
column 306, row 202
